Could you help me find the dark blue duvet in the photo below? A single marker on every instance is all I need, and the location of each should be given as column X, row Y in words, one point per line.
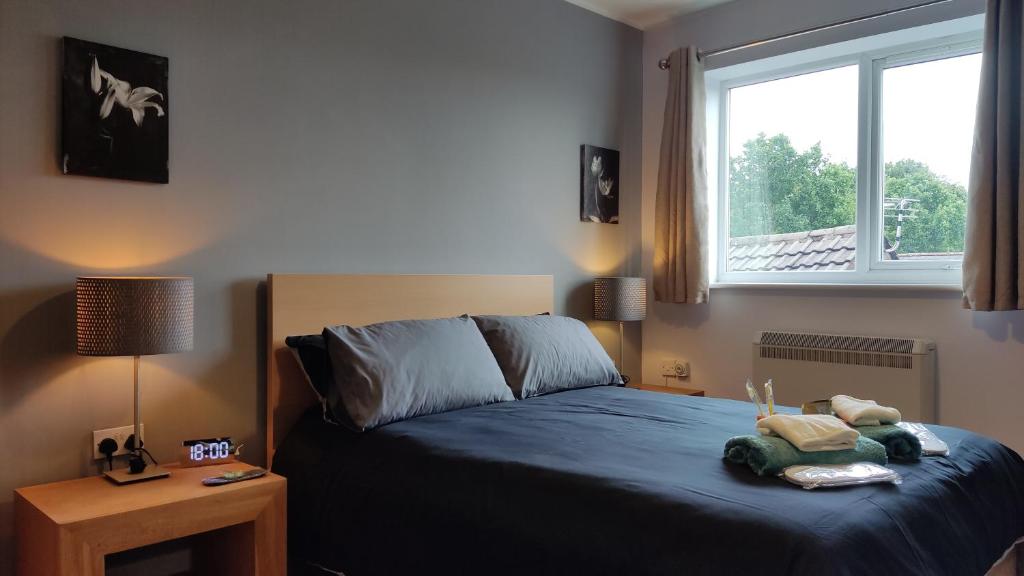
column 620, row 481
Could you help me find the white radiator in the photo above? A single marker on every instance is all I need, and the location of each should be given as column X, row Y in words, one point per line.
column 896, row 372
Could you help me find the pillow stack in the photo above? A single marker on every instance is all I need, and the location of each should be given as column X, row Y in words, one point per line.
column 373, row 375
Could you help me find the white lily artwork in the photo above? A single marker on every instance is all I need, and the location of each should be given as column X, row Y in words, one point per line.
column 121, row 93
column 599, row 185
column 115, row 119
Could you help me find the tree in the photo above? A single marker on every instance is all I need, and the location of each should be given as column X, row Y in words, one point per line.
column 939, row 215
column 774, row 189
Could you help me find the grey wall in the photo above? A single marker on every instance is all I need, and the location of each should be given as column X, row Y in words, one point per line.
column 981, row 355
column 317, row 136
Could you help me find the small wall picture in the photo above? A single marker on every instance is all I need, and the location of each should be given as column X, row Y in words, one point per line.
column 599, row 184
column 115, row 112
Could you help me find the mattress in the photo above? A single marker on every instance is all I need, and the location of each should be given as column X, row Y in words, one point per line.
column 619, row 481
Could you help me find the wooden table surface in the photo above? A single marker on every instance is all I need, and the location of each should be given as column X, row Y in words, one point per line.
column 668, row 389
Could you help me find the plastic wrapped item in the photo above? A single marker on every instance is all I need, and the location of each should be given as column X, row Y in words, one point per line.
column 931, row 445
column 832, row 475
column 817, row 407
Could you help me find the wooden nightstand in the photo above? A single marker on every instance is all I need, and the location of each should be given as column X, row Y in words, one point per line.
column 69, row 527
column 668, row 389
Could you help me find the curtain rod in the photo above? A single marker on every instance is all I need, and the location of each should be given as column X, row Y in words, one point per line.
column 663, row 63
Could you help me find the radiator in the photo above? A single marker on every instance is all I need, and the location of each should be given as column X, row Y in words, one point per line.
column 896, row 372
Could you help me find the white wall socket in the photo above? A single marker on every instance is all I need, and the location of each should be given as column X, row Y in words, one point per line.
column 119, row 434
column 675, row 369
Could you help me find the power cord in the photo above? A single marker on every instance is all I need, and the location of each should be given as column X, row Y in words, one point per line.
column 130, row 445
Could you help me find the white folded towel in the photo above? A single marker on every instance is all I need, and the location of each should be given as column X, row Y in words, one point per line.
column 858, row 412
column 810, row 432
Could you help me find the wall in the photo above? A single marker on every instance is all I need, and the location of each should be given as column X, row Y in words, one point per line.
column 980, row 354
column 349, row 136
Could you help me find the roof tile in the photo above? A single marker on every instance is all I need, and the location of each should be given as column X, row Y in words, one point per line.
column 825, row 249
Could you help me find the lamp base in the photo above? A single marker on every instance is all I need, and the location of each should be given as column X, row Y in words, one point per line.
column 125, row 476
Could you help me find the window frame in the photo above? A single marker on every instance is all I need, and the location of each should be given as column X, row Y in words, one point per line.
column 872, row 58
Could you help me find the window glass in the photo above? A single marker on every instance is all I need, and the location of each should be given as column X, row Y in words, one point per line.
column 928, row 111
column 792, row 192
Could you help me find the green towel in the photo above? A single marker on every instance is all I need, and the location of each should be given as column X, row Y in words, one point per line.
column 899, row 444
column 769, row 455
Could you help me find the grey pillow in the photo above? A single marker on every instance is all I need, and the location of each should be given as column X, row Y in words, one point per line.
column 397, row 370
column 541, row 354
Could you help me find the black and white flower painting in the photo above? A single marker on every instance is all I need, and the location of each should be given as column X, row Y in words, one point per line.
column 599, row 184
column 115, row 112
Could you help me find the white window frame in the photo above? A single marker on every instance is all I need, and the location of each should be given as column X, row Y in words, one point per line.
column 872, row 55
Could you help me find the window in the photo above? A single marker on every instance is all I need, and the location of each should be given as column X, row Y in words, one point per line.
column 792, row 168
column 927, row 126
column 850, row 167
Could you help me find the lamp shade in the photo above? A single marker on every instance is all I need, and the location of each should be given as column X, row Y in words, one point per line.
column 619, row 298
column 133, row 316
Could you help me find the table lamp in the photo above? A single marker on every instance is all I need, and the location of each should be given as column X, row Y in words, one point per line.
column 133, row 316
column 622, row 299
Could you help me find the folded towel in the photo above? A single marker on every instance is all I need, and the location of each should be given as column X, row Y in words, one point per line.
column 899, row 444
column 863, row 412
column 810, row 432
column 770, row 455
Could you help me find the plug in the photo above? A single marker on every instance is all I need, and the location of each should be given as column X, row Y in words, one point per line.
column 107, row 447
column 136, row 463
column 129, row 444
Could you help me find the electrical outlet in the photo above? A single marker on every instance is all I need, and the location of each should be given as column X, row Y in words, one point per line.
column 682, row 369
column 668, row 367
column 675, row 369
column 119, row 434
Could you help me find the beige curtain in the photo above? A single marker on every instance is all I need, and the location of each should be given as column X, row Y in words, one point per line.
column 681, row 208
column 994, row 251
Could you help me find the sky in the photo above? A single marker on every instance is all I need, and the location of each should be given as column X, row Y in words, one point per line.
column 927, row 113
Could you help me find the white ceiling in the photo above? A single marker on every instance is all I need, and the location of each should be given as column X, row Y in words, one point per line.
column 644, row 13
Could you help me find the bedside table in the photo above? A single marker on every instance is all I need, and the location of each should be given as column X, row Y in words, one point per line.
column 69, row 527
column 668, row 389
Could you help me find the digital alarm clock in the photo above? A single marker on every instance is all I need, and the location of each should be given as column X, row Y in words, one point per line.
column 207, row 451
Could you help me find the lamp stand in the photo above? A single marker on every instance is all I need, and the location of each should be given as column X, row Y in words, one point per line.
column 137, row 411
column 134, row 473
column 622, row 356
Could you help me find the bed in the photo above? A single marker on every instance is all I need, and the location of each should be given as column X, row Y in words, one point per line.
column 599, row 480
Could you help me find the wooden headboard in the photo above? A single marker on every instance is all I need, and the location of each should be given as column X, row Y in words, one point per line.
column 304, row 304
